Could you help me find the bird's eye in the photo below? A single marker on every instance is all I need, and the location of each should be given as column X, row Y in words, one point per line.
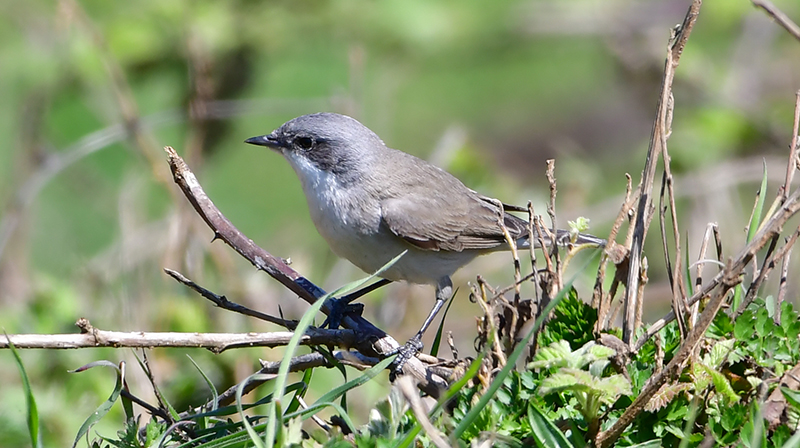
column 304, row 142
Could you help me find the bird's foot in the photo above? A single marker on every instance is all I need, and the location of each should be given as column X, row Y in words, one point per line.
column 404, row 353
column 338, row 309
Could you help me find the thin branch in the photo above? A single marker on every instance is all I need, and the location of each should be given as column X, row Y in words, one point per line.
column 782, row 19
column 551, row 211
column 297, row 364
column 657, row 139
column 794, row 147
column 409, row 392
column 91, row 337
column 672, row 273
column 224, row 303
column 782, row 286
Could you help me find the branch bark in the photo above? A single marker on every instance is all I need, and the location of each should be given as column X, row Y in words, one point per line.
column 91, row 337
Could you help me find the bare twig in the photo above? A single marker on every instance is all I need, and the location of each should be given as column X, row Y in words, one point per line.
column 297, row 364
column 794, row 147
column 657, row 140
column 224, row 303
column 514, row 255
column 677, row 304
column 551, row 211
column 767, row 266
column 782, row 19
column 711, row 230
column 216, row 342
column 782, row 285
column 480, row 297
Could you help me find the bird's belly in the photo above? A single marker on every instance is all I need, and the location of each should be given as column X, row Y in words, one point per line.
column 371, row 248
column 353, row 230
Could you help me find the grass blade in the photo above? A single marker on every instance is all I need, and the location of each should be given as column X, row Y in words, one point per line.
column 210, row 384
column 30, row 401
column 546, row 433
column 438, row 339
column 103, row 409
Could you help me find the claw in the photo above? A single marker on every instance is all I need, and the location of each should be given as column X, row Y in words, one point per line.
column 404, row 353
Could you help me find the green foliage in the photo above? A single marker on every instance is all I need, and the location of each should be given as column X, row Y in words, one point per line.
column 590, row 388
column 573, row 321
column 769, row 345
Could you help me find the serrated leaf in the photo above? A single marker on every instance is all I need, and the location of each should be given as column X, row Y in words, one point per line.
column 612, row 387
column 718, row 353
column 665, row 394
column 552, row 356
column 599, row 351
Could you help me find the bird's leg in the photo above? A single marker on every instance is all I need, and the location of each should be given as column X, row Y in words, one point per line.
column 338, row 308
column 444, row 290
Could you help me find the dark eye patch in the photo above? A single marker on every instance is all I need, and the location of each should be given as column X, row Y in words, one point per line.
column 304, row 142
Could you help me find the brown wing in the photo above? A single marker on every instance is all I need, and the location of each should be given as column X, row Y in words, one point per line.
column 434, row 223
column 421, row 209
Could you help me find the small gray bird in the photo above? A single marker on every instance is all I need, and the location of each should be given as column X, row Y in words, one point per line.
column 371, row 203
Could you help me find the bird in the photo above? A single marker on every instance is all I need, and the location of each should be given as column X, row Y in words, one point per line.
column 371, row 203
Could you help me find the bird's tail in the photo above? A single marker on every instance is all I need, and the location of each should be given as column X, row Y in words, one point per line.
column 565, row 238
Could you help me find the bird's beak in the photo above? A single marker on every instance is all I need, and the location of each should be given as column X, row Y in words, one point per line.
column 269, row 140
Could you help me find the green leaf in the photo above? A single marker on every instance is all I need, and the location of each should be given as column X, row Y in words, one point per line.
column 793, row 442
column 103, row 409
column 761, row 197
column 209, row 383
column 30, row 402
column 254, row 437
column 553, row 356
column 719, row 352
column 753, row 434
column 792, row 397
column 301, row 392
column 546, row 434
column 438, row 339
column 752, row 228
column 368, row 374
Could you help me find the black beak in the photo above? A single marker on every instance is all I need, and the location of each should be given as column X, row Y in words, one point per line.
column 269, row 140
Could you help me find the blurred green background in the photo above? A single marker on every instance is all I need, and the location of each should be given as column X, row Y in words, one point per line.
column 92, row 90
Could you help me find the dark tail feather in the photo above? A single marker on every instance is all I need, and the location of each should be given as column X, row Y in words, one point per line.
column 564, row 238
